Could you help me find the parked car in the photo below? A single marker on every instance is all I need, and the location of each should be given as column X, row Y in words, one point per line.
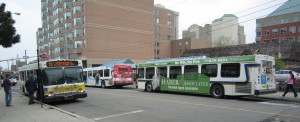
column 282, row 75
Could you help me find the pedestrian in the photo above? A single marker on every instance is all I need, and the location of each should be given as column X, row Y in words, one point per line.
column 31, row 87
column 7, row 89
column 97, row 77
column 290, row 85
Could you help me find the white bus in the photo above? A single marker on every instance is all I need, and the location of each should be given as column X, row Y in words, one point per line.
column 118, row 75
column 61, row 79
column 219, row 76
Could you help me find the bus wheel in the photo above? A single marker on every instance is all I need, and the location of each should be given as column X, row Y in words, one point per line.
column 103, row 84
column 217, row 91
column 148, row 87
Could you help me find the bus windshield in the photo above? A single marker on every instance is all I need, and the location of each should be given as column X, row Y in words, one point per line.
column 53, row 76
column 56, row 76
column 73, row 74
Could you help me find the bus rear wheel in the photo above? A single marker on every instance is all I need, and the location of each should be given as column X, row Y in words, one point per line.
column 217, row 91
column 148, row 87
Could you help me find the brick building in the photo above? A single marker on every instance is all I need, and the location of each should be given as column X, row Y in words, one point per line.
column 282, row 25
column 96, row 31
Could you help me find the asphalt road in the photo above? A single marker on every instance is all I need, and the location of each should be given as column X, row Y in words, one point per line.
column 132, row 105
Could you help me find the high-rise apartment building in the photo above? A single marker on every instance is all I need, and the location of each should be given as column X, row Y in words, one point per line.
column 226, row 31
column 198, row 32
column 282, row 25
column 166, row 23
column 100, row 30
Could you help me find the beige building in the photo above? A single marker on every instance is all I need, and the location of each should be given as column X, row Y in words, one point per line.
column 198, row 32
column 226, row 31
column 181, row 45
column 100, row 30
column 166, row 23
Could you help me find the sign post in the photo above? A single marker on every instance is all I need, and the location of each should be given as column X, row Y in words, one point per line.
column 40, row 90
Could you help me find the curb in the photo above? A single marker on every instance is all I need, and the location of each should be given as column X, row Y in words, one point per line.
column 60, row 110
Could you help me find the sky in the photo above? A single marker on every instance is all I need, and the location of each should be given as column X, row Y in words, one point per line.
column 199, row 12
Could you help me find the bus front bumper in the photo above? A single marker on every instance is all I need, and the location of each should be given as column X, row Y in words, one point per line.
column 71, row 96
column 265, row 91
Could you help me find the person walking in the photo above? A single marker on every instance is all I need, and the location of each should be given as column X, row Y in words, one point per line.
column 7, row 89
column 31, row 87
column 290, row 85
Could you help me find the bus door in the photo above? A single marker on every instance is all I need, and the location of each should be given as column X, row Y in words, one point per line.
column 267, row 77
column 253, row 76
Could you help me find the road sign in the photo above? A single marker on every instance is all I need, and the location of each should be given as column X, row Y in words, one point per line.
column 43, row 56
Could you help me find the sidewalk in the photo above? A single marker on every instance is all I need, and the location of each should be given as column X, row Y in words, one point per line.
column 277, row 96
column 21, row 111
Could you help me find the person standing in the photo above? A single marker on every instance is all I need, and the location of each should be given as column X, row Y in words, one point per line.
column 7, row 89
column 97, row 77
column 31, row 87
column 290, row 85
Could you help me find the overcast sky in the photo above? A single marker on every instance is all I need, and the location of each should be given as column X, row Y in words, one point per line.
column 190, row 12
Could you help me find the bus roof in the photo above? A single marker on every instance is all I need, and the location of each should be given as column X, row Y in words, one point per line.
column 196, row 60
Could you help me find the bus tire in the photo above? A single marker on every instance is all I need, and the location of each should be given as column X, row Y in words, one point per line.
column 103, row 84
column 148, row 87
column 217, row 91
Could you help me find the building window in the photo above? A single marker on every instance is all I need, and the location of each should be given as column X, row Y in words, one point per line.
column 266, row 33
column 292, row 39
column 169, row 37
column 156, row 44
column 169, row 30
column 156, row 20
column 283, row 30
column 283, row 39
column 274, row 31
column 257, row 34
column 156, row 36
column 169, row 23
column 266, row 40
column 292, row 29
column 156, row 12
column 169, row 16
column 157, row 28
column 274, row 40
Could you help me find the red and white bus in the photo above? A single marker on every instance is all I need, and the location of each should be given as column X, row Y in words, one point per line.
column 118, row 76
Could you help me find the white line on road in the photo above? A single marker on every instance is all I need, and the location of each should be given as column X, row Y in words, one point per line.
column 278, row 104
column 132, row 112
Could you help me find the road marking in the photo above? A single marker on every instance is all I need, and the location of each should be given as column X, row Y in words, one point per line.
column 132, row 112
column 278, row 104
column 201, row 104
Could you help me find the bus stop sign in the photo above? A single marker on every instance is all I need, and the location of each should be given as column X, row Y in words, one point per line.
column 43, row 56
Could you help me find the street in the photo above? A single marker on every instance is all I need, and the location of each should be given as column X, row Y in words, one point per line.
column 132, row 105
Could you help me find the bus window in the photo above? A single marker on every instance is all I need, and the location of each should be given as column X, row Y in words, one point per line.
column 230, row 70
column 149, row 73
column 209, row 70
column 90, row 73
column 141, row 73
column 101, row 73
column 162, row 71
column 174, row 71
column 191, row 68
column 106, row 73
column 94, row 73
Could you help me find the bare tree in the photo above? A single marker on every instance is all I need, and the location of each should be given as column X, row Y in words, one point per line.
column 223, row 41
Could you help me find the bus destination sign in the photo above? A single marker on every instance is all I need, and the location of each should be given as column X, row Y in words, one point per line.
column 61, row 63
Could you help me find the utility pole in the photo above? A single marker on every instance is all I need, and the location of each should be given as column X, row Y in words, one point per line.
column 25, row 57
